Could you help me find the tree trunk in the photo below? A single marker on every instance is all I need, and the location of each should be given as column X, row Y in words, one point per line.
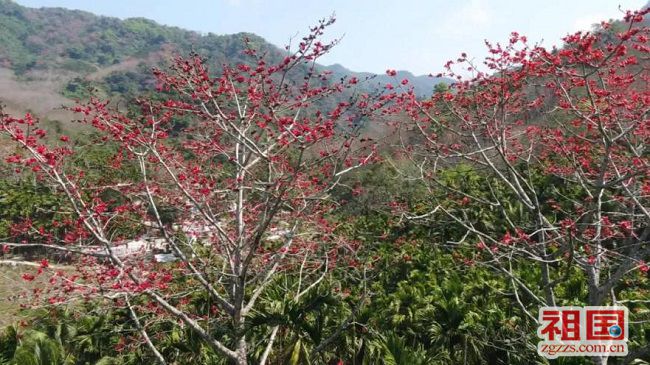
column 595, row 299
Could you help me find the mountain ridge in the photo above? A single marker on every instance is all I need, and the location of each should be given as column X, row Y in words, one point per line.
column 60, row 52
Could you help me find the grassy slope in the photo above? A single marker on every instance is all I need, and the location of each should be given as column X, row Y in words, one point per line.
column 12, row 286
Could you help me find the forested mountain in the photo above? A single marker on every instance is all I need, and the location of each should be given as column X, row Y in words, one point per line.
column 52, row 56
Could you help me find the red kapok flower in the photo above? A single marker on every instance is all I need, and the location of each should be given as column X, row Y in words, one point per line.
column 28, row 277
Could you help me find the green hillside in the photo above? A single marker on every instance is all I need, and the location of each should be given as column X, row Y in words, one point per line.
column 81, row 42
column 53, row 56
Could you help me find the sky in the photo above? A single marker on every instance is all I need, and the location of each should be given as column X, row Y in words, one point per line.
column 418, row 35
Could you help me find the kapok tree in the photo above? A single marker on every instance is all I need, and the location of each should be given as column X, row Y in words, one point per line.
column 559, row 141
column 239, row 196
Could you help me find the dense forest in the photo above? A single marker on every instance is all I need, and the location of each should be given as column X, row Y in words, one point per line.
column 208, row 199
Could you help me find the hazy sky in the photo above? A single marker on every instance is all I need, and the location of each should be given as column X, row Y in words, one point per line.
column 419, row 36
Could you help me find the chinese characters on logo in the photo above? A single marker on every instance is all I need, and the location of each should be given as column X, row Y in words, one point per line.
column 582, row 331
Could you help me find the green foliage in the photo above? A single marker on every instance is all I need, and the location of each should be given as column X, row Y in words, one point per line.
column 94, row 159
column 78, row 66
column 15, row 29
column 29, row 199
column 36, row 348
column 431, row 299
column 379, row 183
column 129, row 83
column 25, row 199
column 441, row 87
column 8, row 344
column 79, row 89
column 63, row 337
